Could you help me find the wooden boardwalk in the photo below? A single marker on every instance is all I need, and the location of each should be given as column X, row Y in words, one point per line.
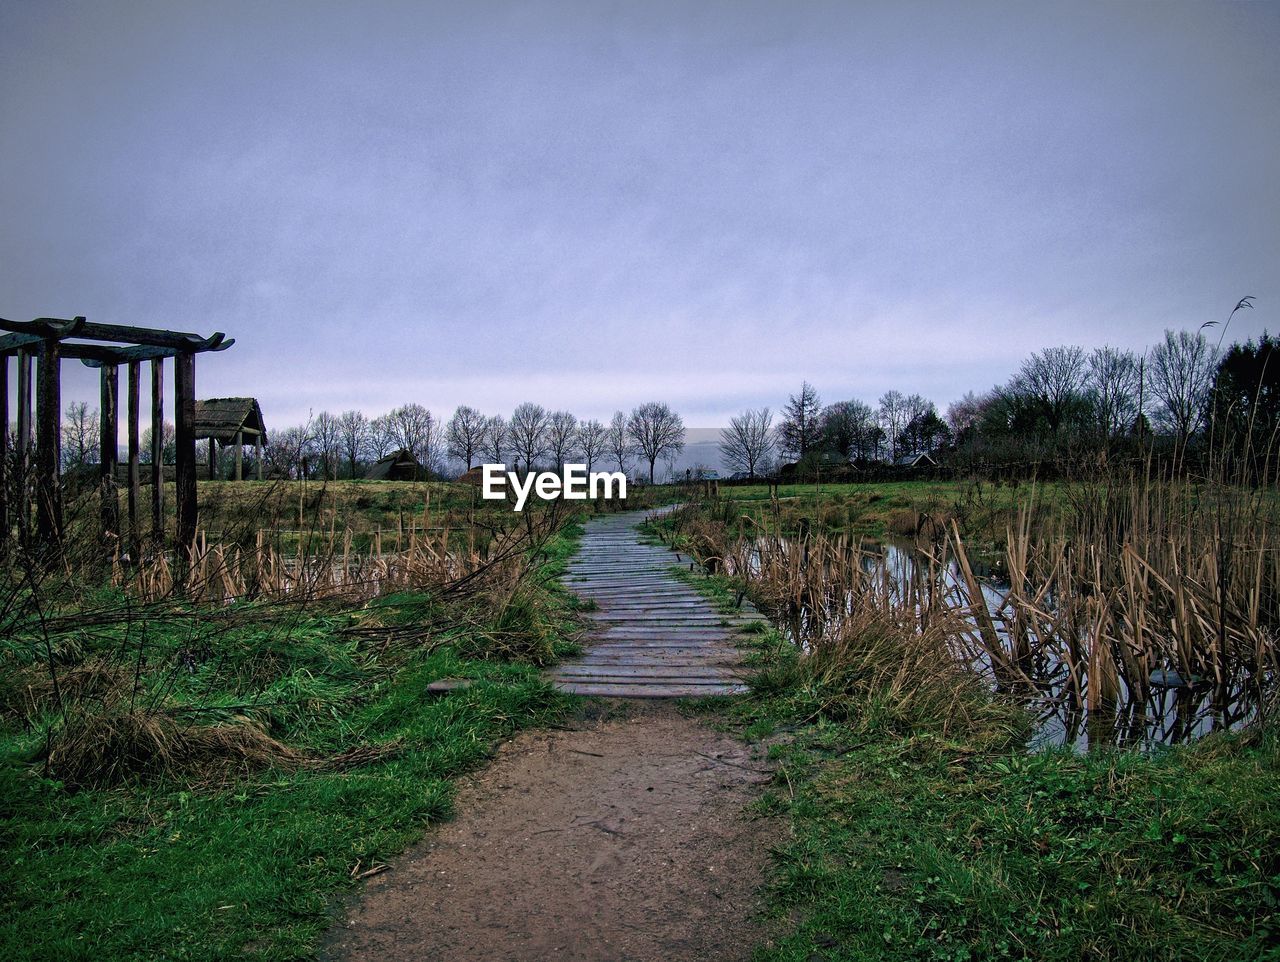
column 654, row 636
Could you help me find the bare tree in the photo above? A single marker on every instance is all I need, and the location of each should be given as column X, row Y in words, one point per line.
column 325, row 442
column 963, row 415
column 528, row 427
column 562, row 436
column 465, row 434
column 168, row 444
column 414, row 429
column 382, row 436
column 285, row 453
column 592, row 441
column 1180, row 376
column 801, row 424
column 80, row 433
column 496, row 440
column 619, row 441
column 748, row 440
column 893, row 418
column 1114, row 378
column 353, row 430
column 1056, row 379
column 656, row 431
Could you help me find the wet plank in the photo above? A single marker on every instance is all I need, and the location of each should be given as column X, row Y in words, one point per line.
column 653, row 636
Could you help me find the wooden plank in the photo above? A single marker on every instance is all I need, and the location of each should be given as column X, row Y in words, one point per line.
column 125, row 334
column 135, row 481
column 239, row 455
column 22, row 449
column 157, row 453
column 184, row 391
column 108, row 452
column 4, row 453
column 48, row 458
column 618, row 690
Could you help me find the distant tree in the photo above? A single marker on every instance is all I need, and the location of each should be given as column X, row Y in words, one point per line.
column 1180, row 376
column 496, row 440
column 656, row 431
column 1114, row 378
column 414, row 429
column 843, row 425
column 382, row 436
column 465, row 434
column 1245, row 401
column 325, row 443
column 593, row 438
column 353, row 431
column 529, row 425
column 748, row 440
column 963, row 416
column 925, row 431
column 1055, row 380
column 168, row 444
column 619, row 441
column 562, row 437
column 285, row 453
column 801, row 423
column 892, row 417
column 80, row 433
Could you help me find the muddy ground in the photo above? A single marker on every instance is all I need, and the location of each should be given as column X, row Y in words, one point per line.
column 622, row 837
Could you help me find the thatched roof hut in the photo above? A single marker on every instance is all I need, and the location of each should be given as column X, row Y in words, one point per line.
column 231, row 422
column 223, row 418
column 396, row 466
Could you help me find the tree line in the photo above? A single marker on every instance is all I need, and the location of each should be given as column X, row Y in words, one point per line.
column 345, row 445
column 1065, row 406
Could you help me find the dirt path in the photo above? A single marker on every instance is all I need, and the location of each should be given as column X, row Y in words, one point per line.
column 624, row 839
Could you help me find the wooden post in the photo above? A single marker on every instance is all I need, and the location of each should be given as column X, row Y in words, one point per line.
column 109, row 450
column 4, row 453
column 22, row 449
column 213, row 459
column 48, row 447
column 184, row 396
column 257, row 454
column 239, row 455
column 135, row 482
column 157, row 453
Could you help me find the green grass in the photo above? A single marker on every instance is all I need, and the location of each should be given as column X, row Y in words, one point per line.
column 876, row 510
column 189, row 866
column 922, row 848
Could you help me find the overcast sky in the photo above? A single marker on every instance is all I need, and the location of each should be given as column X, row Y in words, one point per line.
column 593, row 205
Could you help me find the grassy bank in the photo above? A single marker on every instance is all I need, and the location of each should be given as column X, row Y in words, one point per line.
column 921, row 829
column 206, row 779
column 984, row 510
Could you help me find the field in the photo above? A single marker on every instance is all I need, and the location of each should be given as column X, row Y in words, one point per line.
column 201, row 775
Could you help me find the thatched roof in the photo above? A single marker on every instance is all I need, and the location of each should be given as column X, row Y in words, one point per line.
column 221, row 418
column 396, row 466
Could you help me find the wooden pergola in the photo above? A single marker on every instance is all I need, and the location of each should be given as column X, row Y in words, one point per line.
column 47, row 341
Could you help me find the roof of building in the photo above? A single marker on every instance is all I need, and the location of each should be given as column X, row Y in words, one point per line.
column 394, row 463
column 222, row 418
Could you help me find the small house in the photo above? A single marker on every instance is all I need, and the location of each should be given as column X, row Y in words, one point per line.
column 231, row 422
column 397, row 466
column 921, row 460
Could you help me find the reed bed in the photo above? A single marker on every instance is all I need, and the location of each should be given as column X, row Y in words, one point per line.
column 327, row 565
column 1136, row 591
